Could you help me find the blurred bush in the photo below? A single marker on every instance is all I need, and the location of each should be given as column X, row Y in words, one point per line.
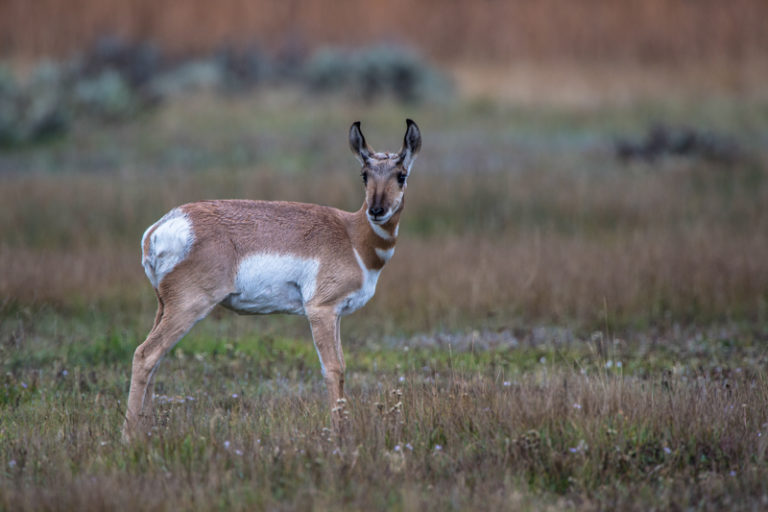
column 32, row 111
column 108, row 96
column 136, row 63
column 662, row 141
column 369, row 73
column 241, row 69
column 116, row 79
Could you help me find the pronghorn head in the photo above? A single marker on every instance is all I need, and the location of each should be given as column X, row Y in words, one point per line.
column 385, row 174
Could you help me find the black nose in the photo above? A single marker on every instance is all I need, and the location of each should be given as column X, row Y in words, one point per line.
column 375, row 211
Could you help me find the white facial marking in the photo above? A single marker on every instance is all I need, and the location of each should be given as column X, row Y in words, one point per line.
column 360, row 297
column 385, row 254
column 273, row 283
column 169, row 244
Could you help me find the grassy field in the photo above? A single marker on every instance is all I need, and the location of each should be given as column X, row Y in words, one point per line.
column 558, row 329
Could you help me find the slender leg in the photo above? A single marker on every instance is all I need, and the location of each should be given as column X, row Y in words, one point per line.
column 173, row 324
column 340, row 352
column 147, row 406
column 149, row 395
column 325, row 332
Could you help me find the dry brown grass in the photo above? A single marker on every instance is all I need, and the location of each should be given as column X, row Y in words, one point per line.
column 594, row 30
column 561, row 279
column 514, row 217
column 577, row 83
column 539, row 246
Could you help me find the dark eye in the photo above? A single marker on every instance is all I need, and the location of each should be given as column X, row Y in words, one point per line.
column 365, row 177
column 401, row 178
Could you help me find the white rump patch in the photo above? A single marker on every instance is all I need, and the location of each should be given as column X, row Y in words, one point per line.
column 359, row 298
column 169, row 244
column 273, row 283
column 385, row 254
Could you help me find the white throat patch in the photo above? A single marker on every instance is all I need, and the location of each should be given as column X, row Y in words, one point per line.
column 385, row 254
column 381, row 232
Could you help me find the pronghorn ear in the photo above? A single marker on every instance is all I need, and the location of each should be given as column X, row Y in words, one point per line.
column 357, row 143
column 411, row 144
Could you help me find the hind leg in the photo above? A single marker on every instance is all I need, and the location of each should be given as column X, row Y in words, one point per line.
column 173, row 322
column 147, row 407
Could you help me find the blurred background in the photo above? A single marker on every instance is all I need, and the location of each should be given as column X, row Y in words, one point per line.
column 586, row 165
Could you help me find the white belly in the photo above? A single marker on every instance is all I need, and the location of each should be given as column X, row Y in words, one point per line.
column 273, row 283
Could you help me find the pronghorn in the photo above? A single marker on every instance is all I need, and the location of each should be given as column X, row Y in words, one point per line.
column 262, row 257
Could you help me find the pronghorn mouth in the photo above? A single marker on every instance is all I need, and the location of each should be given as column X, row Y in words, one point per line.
column 384, row 218
column 380, row 219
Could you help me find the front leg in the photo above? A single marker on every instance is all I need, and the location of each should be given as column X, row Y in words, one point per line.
column 324, row 323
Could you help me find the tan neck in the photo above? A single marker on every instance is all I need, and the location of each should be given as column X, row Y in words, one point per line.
column 368, row 237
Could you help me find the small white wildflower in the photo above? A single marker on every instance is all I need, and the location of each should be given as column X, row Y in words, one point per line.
column 759, row 434
column 667, row 450
column 397, row 448
column 258, row 441
column 103, row 443
column 609, row 364
column 732, row 473
column 405, row 348
column 226, row 445
column 507, row 383
column 582, row 447
column 438, row 448
column 234, row 395
column 577, row 405
column 618, row 364
column 409, row 446
column 238, row 452
column 401, row 379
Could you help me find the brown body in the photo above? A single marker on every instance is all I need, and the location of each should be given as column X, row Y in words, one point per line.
column 258, row 257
